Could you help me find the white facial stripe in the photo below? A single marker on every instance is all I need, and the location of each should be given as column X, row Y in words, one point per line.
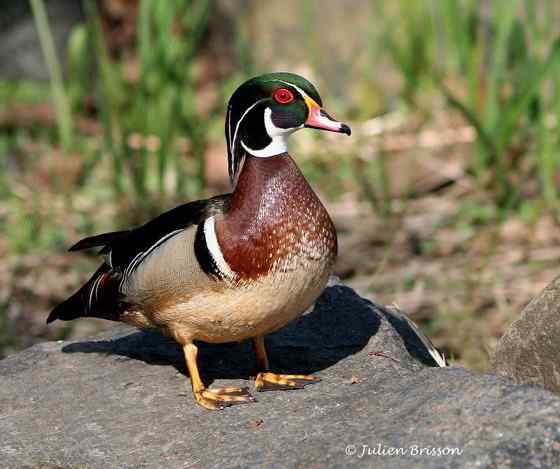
column 232, row 143
column 214, row 249
column 278, row 135
column 229, row 133
column 272, row 130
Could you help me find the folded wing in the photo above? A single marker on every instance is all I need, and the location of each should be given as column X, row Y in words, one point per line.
column 124, row 251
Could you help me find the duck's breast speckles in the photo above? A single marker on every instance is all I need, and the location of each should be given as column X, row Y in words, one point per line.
column 276, row 222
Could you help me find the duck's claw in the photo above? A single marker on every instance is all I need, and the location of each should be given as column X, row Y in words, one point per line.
column 219, row 398
column 267, row 381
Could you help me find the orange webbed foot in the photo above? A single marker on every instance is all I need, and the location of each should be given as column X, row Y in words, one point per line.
column 219, row 398
column 266, row 381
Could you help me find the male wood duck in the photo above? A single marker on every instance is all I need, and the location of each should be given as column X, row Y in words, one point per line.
column 233, row 267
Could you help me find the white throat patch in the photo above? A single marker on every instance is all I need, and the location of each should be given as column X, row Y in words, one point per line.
column 278, row 135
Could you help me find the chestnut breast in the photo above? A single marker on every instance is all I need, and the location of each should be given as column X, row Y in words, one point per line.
column 275, row 222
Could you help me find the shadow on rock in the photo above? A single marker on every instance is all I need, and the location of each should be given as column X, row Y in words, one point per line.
column 410, row 338
column 340, row 325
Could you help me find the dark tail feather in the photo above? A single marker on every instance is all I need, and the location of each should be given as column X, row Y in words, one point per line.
column 99, row 240
column 70, row 309
column 99, row 298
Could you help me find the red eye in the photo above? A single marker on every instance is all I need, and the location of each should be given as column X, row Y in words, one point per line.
column 283, row 96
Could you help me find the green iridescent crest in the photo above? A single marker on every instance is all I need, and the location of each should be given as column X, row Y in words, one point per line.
column 245, row 123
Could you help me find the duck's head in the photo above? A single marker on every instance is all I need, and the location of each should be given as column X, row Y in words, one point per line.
column 265, row 110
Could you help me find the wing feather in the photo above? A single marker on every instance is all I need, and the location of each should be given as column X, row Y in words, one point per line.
column 99, row 240
column 124, row 251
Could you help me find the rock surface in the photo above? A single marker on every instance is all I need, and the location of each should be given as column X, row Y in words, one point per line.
column 529, row 351
column 121, row 400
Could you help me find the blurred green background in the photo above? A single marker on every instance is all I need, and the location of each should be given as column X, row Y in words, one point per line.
column 446, row 198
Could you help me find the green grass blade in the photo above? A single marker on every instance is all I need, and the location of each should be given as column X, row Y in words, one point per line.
column 60, row 98
column 144, row 32
column 471, row 117
column 519, row 104
column 504, row 15
column 110, row 91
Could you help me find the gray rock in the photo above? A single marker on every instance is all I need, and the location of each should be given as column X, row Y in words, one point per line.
column 529, row 351
column 122, row 400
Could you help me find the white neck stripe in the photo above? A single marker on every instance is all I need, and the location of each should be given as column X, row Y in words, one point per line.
column 276, row 147
column 215, row 251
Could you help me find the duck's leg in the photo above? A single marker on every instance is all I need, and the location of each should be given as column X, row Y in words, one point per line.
column 213, row 399
column 267, row 381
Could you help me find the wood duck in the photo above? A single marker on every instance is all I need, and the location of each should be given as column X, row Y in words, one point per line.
column 233, row 267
